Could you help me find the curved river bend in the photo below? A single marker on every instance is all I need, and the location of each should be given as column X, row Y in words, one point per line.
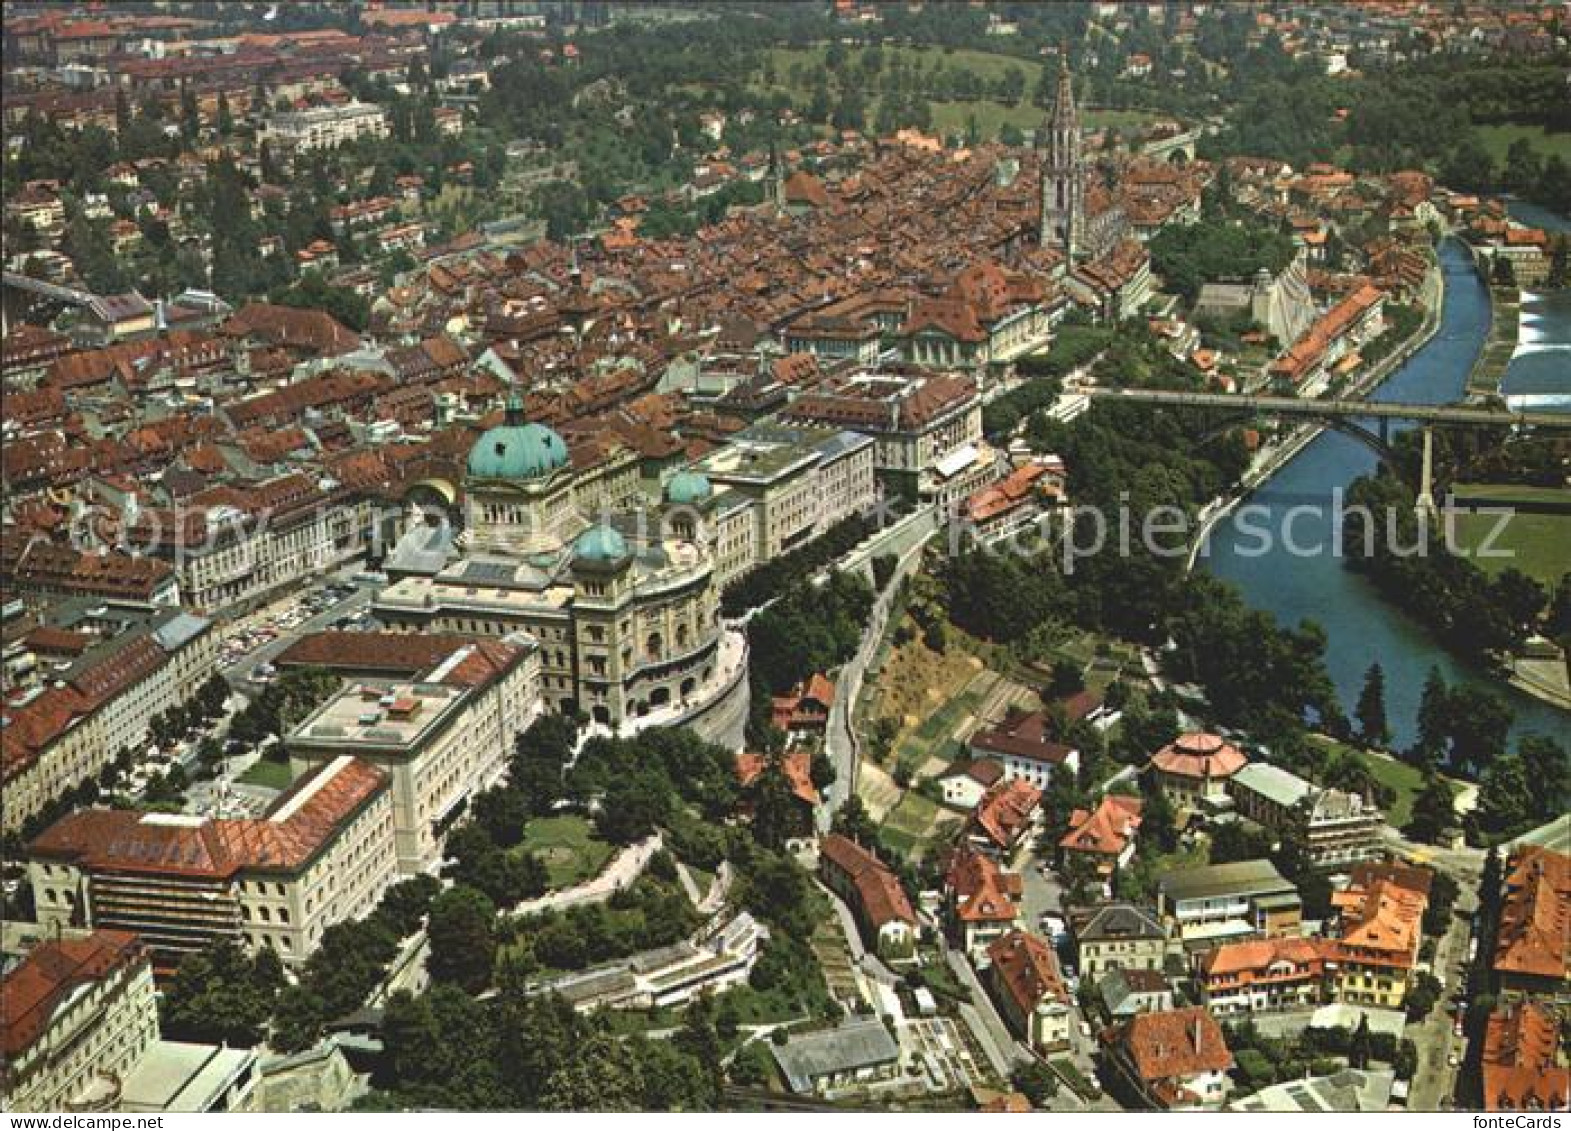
column 1361, row 627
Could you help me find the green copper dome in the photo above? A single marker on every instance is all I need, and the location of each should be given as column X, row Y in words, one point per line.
column 688, row 488
column 516, row 450
column 600, row 544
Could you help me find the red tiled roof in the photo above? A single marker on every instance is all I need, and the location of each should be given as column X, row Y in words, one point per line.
column 1173, row 1045
column 1105, row 831
column 1522, row 1069
column 1535, row 914
column 1022, row 735
column 983, row 892
column 797, row 765
column 1027, row 970
column 127, row 841
column 49, row 973
column 1198, row 755
column 883, row 899
column 1005, row 811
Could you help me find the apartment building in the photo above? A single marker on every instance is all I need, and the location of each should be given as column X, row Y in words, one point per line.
column 873, row 893
column 981, row 900
column 59, row 736
column 325, row 127
column 1265, row 974
column 1238, row 900
column 1119, row 936
column 1535, row 918
column 81, row 1035
column 439, row 735
column 323, row 854
column 1523, row 1068
column 1380, row 916
column 1174, row 1061
column 1021, row 744
column 233, row 545
column 80, row 1012
column 1333, row 827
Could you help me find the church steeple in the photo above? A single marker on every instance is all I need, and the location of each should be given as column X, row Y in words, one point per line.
column 1063, row 168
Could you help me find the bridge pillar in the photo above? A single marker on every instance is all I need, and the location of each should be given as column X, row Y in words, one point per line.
column 1426, row 480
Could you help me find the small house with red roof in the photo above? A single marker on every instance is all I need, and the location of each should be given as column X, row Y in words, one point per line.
column 980, row 899
column 805, row 710
column 1105, row 834
column 1024, row 977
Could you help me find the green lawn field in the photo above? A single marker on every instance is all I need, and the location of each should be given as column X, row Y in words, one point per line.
column 1497, row 139
column 1537, row 544
column 568, row 846
column 269, row 774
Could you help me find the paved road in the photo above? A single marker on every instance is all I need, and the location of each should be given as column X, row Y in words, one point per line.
column 839, row 741
column 267, row 653
column 983, row 1017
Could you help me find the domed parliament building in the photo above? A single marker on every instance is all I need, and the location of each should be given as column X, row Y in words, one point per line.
column 621, row 592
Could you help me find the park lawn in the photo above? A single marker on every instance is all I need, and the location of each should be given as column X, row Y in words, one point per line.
column 1406, row 780
column 989, row 65
column 1513, row 493
column 1498, row 138
column 910, row 823
column 269, row 774
column 953, row 116
column 1531, row 542
column 568, row 847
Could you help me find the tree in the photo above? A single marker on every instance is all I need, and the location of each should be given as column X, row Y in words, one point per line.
column 404, row 905
column 599, row 1076
column 1433, row 717
column 1237, row 841
column 1549, row 769
column 1433, row 810
column 1371, row 709
column 1478, row 722
column 1359, row 1051
column 1037, row 1082
column 462, row 934
column 220, row 995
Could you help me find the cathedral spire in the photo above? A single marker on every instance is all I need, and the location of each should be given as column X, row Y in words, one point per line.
column 1065, row 114
column 1063, row 169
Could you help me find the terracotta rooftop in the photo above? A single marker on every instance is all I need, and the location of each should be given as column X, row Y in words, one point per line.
column 1535, row 915
column 1027, row 970
column 883, row 899
column 1198, row 755
column 49, row 974
column 1522, row 1066
column 302, row 823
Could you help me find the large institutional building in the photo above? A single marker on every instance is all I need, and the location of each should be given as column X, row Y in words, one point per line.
column 324, row 854
column 623, row 598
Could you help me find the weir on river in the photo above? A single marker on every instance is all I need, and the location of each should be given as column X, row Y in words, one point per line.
column 1362, row 627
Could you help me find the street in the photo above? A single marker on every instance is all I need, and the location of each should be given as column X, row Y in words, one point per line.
column 907, row 541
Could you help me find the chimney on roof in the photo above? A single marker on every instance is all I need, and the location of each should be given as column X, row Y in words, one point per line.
column 1197, row 1031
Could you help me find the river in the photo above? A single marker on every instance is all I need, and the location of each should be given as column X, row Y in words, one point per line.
column 1539, row 376
column 1361, row 627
